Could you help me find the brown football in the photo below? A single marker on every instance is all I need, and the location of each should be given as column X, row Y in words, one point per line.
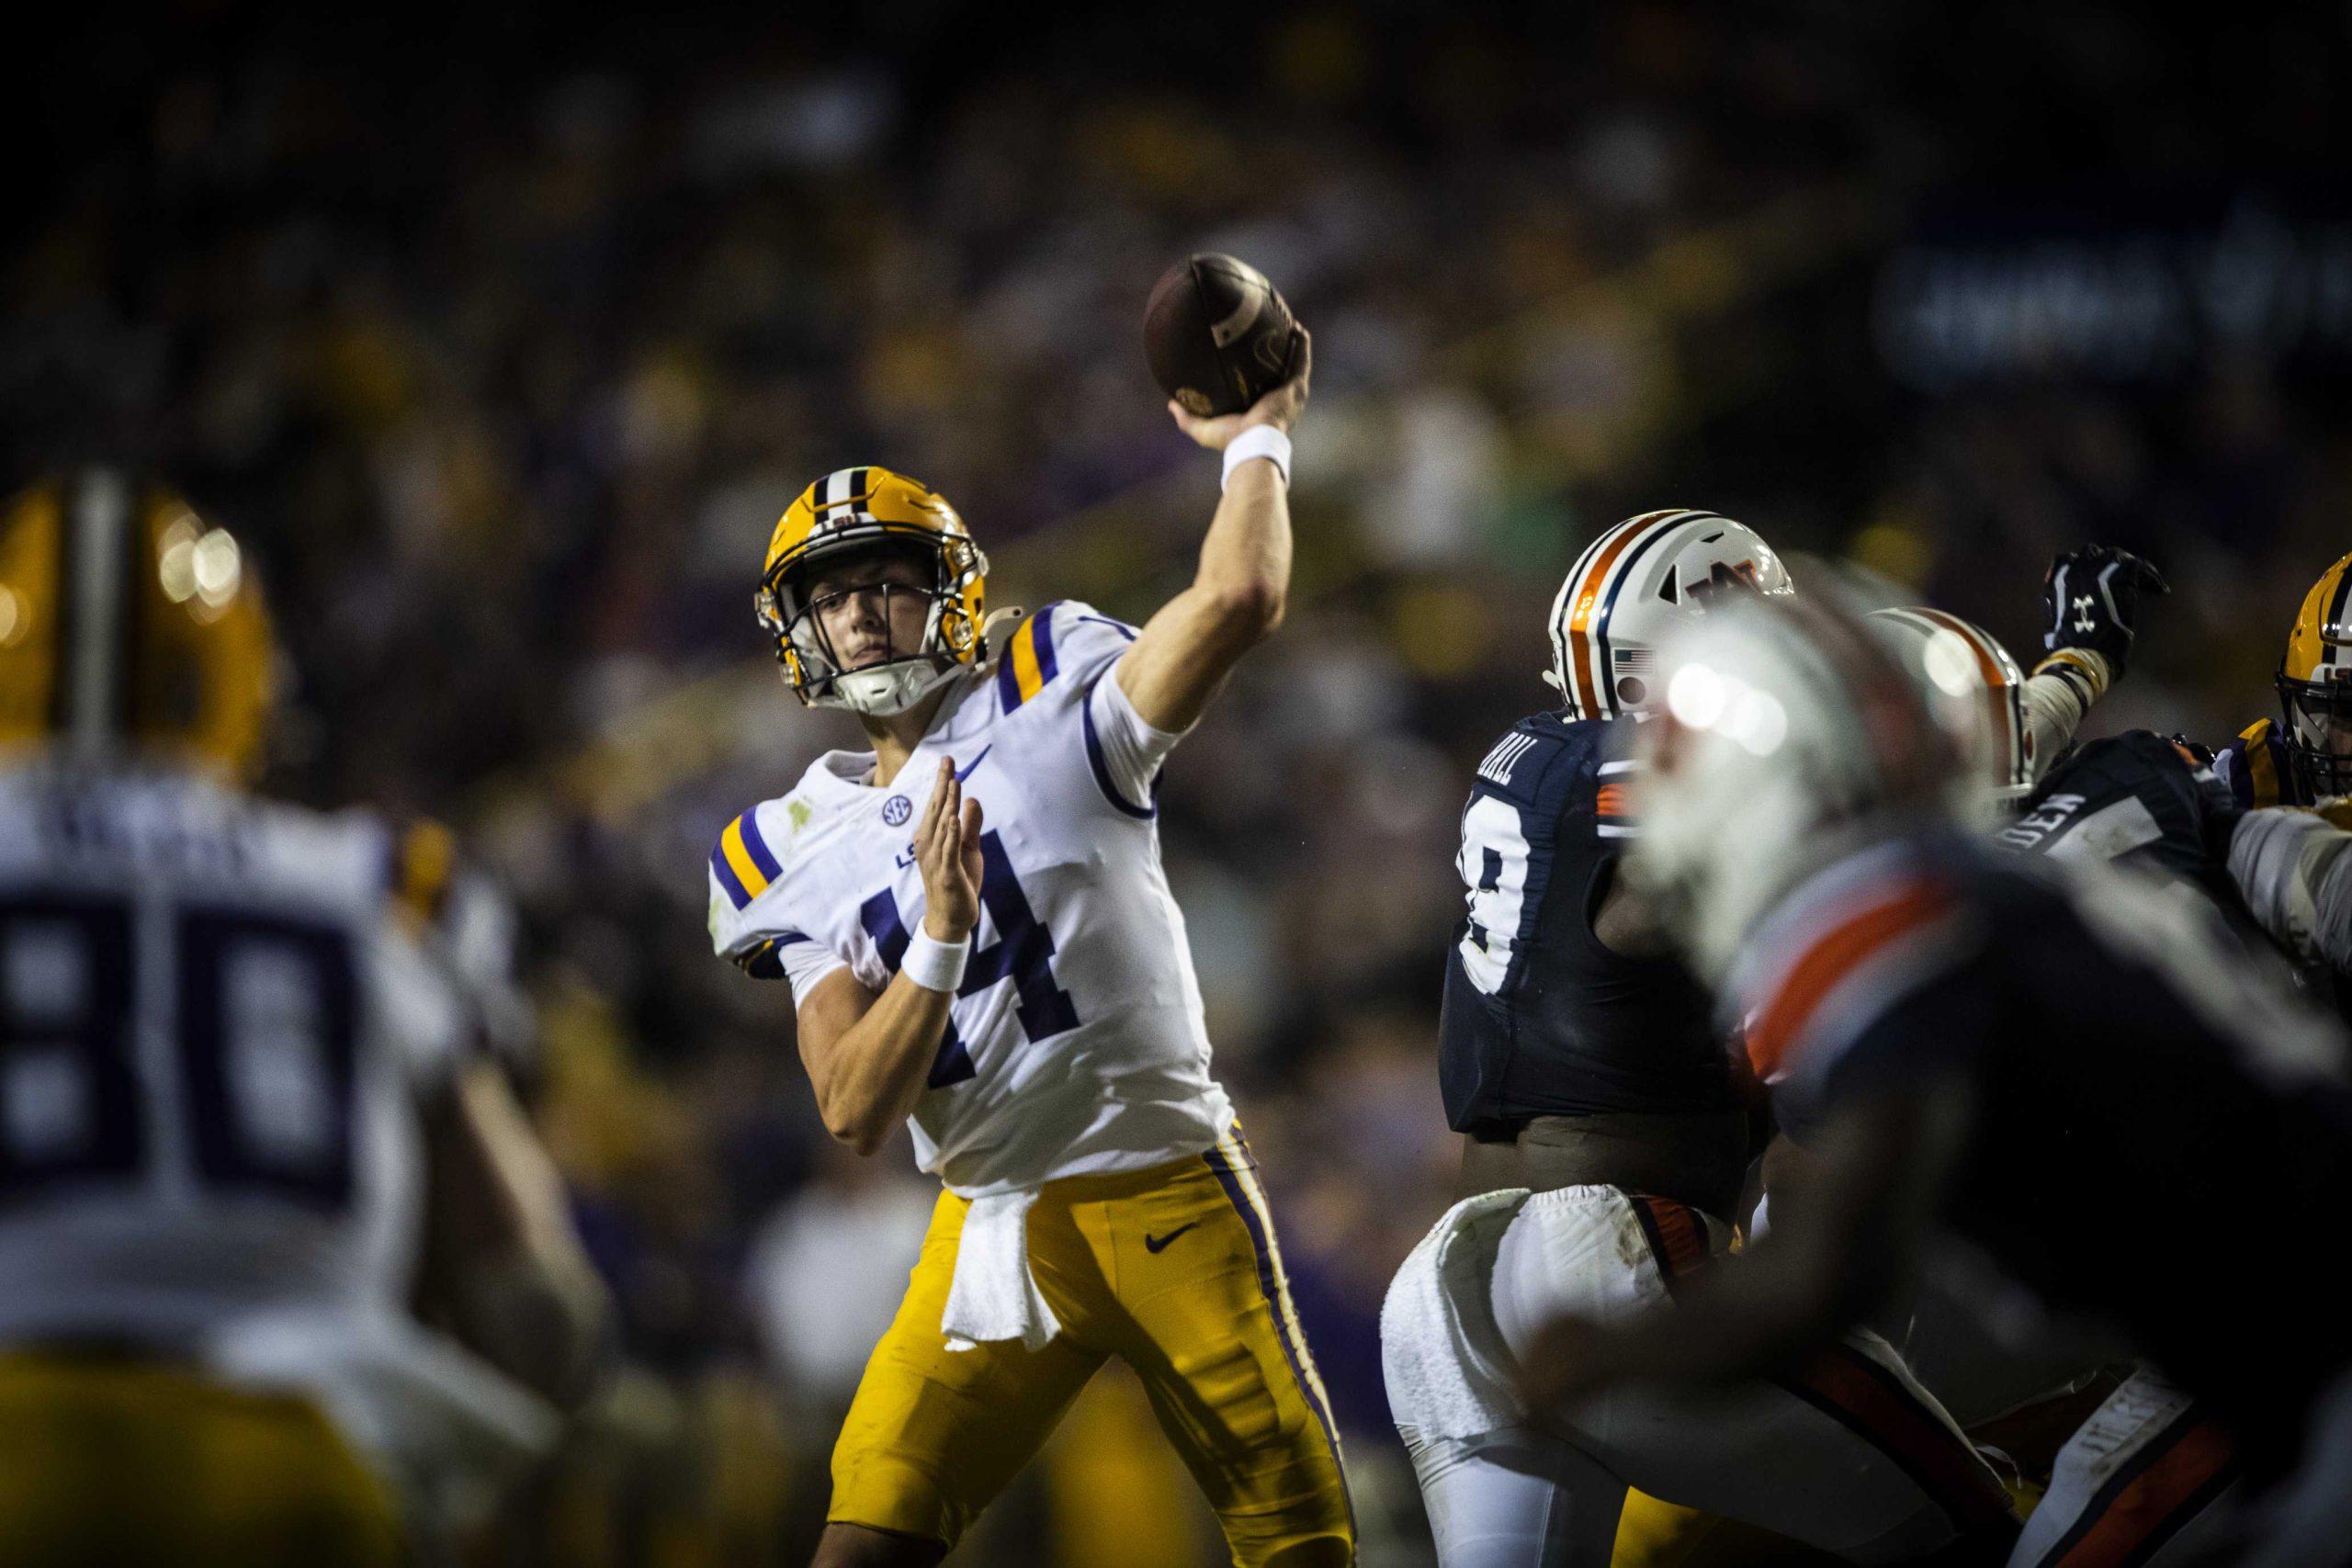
column 1218, row 334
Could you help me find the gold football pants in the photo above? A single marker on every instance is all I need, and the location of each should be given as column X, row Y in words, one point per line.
column 1174, row 1270
column 116, row 1462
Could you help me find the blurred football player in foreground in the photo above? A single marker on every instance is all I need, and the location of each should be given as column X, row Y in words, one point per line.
column 238, row 1098
column 2149, row 1475
column 2146, row 1473
column 1606, row 1141
column 980, row 942
column 2058, row 1068
column 2024, row 726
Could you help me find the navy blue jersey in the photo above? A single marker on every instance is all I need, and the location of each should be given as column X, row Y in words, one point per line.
column 2151, row 1119
column 2139, row 799
column 2143, row 799
column 1539, row 1018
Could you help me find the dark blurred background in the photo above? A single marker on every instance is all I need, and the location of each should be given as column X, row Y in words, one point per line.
column 502, row 336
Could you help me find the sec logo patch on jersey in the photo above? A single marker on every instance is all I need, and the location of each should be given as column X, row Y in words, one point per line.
column 896, row 810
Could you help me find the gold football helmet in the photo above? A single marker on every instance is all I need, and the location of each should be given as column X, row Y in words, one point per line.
column 127, row 622
column 2314, row 684
column 850, row 512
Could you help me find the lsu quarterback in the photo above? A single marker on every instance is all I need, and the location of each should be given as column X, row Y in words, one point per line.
column 243, row 1116
column 980, row 942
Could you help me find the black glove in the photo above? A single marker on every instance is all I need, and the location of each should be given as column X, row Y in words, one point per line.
column 2091, row 597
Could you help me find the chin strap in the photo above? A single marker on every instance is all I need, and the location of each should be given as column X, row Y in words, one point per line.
column 996, row 618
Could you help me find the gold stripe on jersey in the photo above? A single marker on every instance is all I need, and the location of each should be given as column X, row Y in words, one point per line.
column 1025, row 674
column 1028, row 665
column 739, row 860
column 2261, row 765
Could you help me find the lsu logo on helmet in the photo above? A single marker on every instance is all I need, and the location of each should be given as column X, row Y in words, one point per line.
column 850, row 512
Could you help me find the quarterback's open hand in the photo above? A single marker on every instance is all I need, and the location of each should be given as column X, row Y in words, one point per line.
column 2091, row 599
column 1279, row 408
column 947, row 850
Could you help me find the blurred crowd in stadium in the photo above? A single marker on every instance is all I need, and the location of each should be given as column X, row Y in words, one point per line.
column 505, row 361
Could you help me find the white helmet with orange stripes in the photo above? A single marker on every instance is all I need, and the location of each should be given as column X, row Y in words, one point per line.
column 1786, row 724
column 1966, row 664
column 1634, row 584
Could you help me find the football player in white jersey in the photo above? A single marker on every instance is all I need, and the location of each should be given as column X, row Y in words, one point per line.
column 981, row 941
column 237, row 1097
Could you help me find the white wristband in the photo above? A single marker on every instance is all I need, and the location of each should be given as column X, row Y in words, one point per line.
column 1258, row 441
column 934, row 965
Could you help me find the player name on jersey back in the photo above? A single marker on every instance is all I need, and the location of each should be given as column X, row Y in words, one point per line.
column 215, row 1037
column 2134, row 797
column 1075, row 1045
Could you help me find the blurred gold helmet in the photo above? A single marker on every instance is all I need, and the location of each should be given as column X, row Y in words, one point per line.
column 129, row 624
column 850, row 512
column 2314, row 683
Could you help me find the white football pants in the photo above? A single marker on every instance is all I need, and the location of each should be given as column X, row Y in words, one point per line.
column 2149, row 1479
column 1851, row 1456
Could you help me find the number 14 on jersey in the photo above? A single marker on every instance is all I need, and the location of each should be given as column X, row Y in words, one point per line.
column 1022, row 954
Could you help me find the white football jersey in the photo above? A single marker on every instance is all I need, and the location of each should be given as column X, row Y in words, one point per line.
column 1075, row 1043
column 212, row 1040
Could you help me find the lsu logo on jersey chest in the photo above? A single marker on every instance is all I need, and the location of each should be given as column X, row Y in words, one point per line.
column 1013, row 943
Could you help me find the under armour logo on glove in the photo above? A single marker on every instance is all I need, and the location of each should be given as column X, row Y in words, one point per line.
column 2092, row 599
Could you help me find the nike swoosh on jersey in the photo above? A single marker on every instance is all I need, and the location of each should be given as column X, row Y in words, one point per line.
column 1158, row 1242
column 966, row 772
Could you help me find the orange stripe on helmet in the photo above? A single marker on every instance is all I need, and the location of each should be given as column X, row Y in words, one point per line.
column 1588, row 594
column 1986, row 665
column 1994, row 677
